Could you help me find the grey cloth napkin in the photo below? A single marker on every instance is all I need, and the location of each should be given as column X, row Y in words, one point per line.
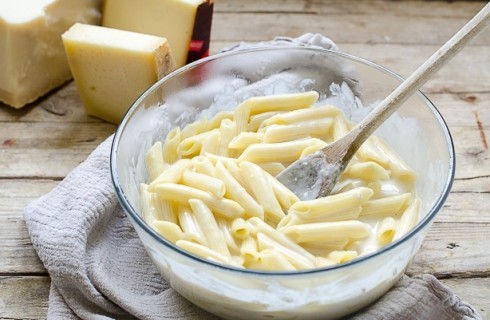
column 100, row 270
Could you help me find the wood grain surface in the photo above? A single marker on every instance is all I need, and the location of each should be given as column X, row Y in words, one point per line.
column 41, row 143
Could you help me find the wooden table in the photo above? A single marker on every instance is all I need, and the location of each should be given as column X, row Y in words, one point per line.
column 41, row 143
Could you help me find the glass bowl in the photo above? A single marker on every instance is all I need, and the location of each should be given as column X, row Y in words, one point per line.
column 417, row 132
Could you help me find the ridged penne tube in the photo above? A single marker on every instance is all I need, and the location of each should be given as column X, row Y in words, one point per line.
column 209, row 226
column 271, row 259
column 147, row 204
column 168, row 230
column 392, row 205
column 398, row 167
column 225, row 207
column 367, row 171
column 272, row 168
column 314, row 147
column 279, row 237
column 237, row 193
column 369, row 152
column 203, row 165
column 154, row 161
column 257, row 121
column 386, row 231
column 340, row 127
column 342, row 256
column 263, row 192
column 210, row 144
column 297, row 260
column 204, row 182
column 326, row 231
column 215, row 121
column 173, row 174
column 205, row 252
column 408, row 220
column 244, row 139
column 281, row 133
column 323, row 262
column 191, row 146
column 165, row 209
column 225, row 227
column 227, row 130
column 240, row 228
column 323, row 248
column 277, row 152
column 170, row 144
column 194, row 128
column 285, row 196
column 302, row 115
column 249, row 251
column 237, row 173
column 242, row 115
column 282, row 102
column 190, row 227
column 338, row 207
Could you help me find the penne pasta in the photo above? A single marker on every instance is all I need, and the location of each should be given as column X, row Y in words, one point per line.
column 169, row 148
column 225, row 207
column 342, row 206
column 227, row 131
column 169, row 230
column 173, row 174
column 277, row 152
column 386, row 206
column 212, row 190
column 190, row 227
column 263, row 192
column 369, row 170
column 297, row 260
column 154, row 161
column 326, row 231
column 273, row 260
column 408, row 220
column 303, row 115
column 204, row 182
column 342, row 256
column 386, row 231
column 209, row 226
column 237, row 193
column 280, row 133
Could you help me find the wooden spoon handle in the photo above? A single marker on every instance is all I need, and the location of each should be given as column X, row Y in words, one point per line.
column 408, row 87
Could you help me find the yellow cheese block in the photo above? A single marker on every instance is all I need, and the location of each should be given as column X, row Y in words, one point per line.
column 32, row 58
column 112, row 67
column 185, row 23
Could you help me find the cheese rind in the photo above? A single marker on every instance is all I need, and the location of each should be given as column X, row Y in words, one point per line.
column 112, row 67
column 172, row 19
column 32, row 58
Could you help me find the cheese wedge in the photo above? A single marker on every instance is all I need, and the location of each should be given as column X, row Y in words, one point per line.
column 185, row 23
column 112, row 67
column 32, row 58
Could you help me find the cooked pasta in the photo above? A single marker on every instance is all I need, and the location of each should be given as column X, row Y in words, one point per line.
column 212, row 189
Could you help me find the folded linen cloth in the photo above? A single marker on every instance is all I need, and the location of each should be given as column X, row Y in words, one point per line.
column 100, row 270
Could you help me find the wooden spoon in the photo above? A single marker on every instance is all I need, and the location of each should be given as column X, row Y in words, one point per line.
column 315, row 175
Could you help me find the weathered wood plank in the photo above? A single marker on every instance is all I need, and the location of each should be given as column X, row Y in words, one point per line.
column 450, row 250
column 387, row 26
column 407, row 8
column 24, row 297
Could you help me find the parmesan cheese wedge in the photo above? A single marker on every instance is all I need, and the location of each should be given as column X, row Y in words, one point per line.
column 32, row 58
column 112, row 67
column 185, row 23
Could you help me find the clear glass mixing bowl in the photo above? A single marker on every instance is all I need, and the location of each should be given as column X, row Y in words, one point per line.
column 417, row 131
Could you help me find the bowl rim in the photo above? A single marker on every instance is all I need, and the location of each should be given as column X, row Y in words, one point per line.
column 128, row 208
